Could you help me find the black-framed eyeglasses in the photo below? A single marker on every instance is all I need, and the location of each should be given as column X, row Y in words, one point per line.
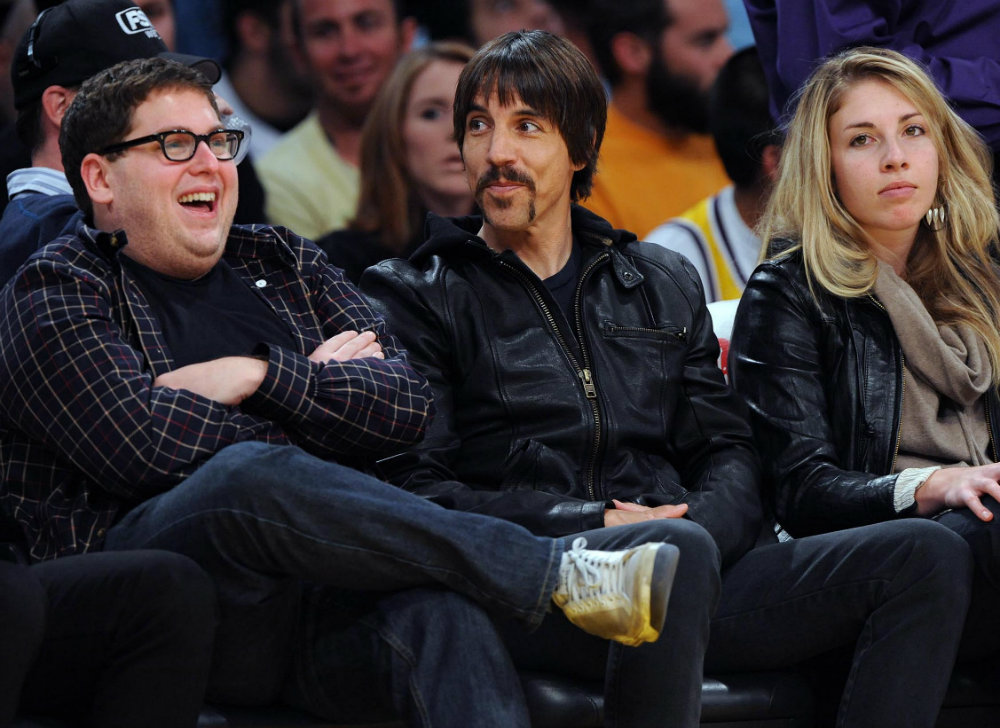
column 179, row 145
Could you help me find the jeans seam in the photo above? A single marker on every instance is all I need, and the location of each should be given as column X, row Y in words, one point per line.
column 845, row 699
column 549, row 580
column 399, row 647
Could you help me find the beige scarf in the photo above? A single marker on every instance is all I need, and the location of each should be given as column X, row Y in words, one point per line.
column 946, row 372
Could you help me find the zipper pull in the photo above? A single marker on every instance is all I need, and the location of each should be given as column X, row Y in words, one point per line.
column 588, row 384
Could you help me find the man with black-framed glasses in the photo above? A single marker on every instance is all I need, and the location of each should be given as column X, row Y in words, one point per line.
column 179, row 382
column 65, row 45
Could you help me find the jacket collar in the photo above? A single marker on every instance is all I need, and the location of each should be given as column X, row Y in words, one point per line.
column 244, row 241
column 457, row 236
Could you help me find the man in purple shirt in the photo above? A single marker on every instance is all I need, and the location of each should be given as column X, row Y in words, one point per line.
column 957, row 41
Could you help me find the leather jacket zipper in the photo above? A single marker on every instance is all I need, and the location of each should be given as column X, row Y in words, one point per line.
column 902, row 393
column 899, row 411
column 583, row 372
column 590, row 475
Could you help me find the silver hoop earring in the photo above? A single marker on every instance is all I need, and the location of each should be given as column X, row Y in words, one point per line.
column 935, row 218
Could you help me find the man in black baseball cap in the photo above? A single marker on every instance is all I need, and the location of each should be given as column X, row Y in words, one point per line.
column 67, row 44
column 70, row 42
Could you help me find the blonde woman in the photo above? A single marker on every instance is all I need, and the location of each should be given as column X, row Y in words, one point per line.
column 867, row 345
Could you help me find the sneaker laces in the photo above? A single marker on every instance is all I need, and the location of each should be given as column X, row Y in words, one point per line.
column 592, row 569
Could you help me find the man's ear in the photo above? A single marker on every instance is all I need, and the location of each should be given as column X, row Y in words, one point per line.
column 632, row 54
column 94, row 169
column 55, row 102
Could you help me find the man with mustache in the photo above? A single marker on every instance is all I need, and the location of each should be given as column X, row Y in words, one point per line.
column 577, row 393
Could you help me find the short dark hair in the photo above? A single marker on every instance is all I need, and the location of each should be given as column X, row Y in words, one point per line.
column 101, row 114
column 550, row 75
column 607, row 18
column 739, row 117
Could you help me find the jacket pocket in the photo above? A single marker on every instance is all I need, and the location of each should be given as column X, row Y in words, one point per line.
column 532, row 465
column 668, row 333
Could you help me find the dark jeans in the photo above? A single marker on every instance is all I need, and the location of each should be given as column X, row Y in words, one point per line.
column 262, row 519
column 898, row 591
column 371, row 658
column 115, row 640
column 981, row 637
column 656, row 685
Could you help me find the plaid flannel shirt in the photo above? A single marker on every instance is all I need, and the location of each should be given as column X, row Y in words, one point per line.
column 84, row 433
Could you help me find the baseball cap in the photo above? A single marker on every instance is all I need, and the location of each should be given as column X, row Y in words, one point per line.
column 70, row 42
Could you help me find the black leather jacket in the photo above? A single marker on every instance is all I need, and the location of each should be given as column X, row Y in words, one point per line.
column 541, row 420
column 823, row 379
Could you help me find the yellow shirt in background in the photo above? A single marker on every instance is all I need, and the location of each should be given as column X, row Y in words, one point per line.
column 644, row 178
column 310, row 188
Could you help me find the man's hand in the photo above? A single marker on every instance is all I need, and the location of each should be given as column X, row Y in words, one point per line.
column 348, row 345
column 228, row 380
column 634, row 513
column 959, row 487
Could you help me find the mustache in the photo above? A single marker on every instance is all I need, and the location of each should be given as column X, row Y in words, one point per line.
column 508, row 174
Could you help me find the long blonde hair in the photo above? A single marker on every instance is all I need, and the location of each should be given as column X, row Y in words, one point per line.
column 387, row 200
column 951, row 270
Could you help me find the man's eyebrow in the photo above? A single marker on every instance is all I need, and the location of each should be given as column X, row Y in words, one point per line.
column 523, row 111
column 528, row 111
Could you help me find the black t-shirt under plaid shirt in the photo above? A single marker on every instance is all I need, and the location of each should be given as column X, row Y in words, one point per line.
column 209, row 317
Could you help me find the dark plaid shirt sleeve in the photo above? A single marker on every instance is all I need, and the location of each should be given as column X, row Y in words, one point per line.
column 357, row 408
column 78, row 387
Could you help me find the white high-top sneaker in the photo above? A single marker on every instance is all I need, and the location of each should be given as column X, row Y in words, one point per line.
column 618, row 595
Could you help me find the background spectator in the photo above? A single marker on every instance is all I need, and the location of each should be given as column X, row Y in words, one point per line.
column 717, row 235
column 477, row 21
column 350, row 47
column 15, row 18
column 264, row 80
column 161, row 15
column 660, row 58
column 410, row 163
column 956, row 41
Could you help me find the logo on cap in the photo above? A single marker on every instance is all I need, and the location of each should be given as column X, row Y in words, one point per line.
column 134, row 21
